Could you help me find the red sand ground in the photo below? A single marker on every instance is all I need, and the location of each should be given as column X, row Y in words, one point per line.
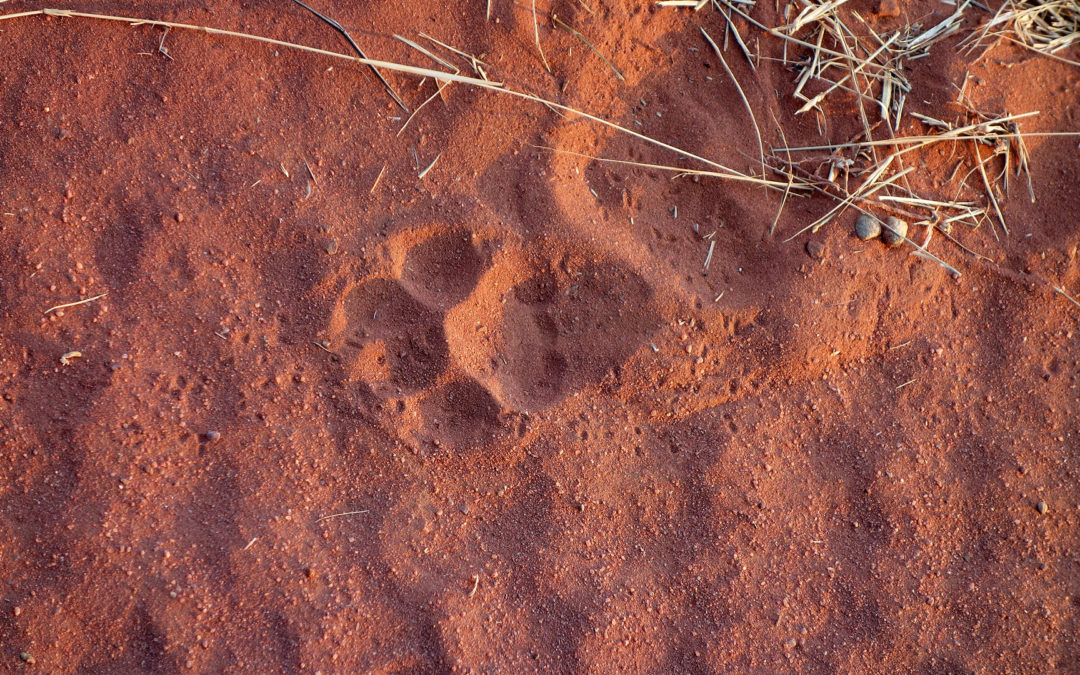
column 562, row 451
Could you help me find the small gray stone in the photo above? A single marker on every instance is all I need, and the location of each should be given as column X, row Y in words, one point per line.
column 867, row 226
column 815, row 249
column 331, row 247
column 213, row 436
column 1042, row 508
column 894, row 231
column 27, row 658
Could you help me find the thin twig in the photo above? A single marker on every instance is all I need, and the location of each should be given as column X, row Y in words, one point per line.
column 742, row 95
column 430, row 166
column 377, row 179
column 536, row 36
column 957, row 134
column 989, row 189
column 791, row 179
column 341, row 29
column 74, row 304
column 1062, row 293
column 338, row 515
column 679, row 171
column 588, row 44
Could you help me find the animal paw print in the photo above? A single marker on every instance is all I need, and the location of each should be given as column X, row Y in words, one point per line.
column 442, row 270
column 563, row 331
column 462, row 415
column 543, row 339
column 394, row 339
column 401, row 341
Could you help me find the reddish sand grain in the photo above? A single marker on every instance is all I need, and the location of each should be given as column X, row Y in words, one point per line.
column 560, row 446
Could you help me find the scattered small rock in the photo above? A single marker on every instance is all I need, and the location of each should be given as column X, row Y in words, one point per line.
column 894, row 232
column 213, row 436
column 815, row 249
column 1041, row 507
column 27, row 658
column 867, row 227
column 331, row 247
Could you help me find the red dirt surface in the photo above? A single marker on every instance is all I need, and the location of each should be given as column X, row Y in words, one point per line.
column 557, row 444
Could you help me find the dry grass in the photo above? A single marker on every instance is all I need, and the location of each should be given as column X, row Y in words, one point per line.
column 1044, row 27
column 835, row 53
column 742, row 95
column 356, row 48
column 74, row 304
column 1001, row 134
column 716, row 169
column 536, row 37
column 683, row 172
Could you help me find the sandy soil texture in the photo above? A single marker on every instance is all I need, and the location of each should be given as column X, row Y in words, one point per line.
column 443, row 399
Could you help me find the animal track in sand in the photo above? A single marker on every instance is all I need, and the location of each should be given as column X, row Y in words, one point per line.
column 415, row 351
column 562, row 331
column 461, row 415
column 398, row 327
column 442, row 270
column 557, row 331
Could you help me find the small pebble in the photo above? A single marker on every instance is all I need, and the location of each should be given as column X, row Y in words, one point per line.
column 867, row 227
column 213, row 436
column 894, row 231
column 815, row 249
column 1041, row 507
column 27, row 658
column 331, row 247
